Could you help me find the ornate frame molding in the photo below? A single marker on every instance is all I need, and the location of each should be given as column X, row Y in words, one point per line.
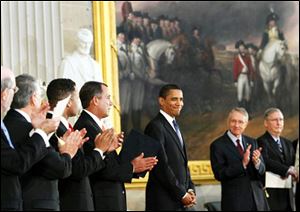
column 104, row 20
column 200, row 170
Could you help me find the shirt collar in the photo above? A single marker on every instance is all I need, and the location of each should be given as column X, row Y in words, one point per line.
column 95, row 118
column 24, row 114
column 233, row 138
column 64, row 121
column 275, row 138
column 168, row 117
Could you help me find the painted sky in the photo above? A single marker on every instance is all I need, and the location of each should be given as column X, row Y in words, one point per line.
column 228, row 21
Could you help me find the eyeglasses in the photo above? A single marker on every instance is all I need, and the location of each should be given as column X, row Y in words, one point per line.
column 15, row 89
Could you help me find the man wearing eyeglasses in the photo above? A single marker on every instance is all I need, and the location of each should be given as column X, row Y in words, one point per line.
column 279, row 156
column 237, row 163
column 15, row 161
column 39, row 184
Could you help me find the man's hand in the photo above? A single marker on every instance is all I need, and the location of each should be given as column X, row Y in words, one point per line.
column 187, row 200
column 38, row 120
column 256, row 155
column 246, row 157
column 48, row 125
column 72, row 141
column 104, row 140
column 141, row 164
column 292, row 171
column 117, row 142
column 194, row 199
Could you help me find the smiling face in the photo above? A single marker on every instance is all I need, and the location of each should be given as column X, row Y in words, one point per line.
column 237, row 123
column 172, row 103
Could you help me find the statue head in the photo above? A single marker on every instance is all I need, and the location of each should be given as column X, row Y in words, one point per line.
column 84, row 41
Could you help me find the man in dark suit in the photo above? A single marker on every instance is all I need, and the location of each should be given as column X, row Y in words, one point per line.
column 169, row 186
column 75, row 191
column 108, row 183
column 39, row 185
column 17, row 161
column 237, row 164
column 279, row 155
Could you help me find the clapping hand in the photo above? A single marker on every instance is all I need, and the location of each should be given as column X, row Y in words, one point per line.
column 256, row 155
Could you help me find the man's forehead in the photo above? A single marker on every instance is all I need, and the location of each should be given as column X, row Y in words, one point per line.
column 6, row 73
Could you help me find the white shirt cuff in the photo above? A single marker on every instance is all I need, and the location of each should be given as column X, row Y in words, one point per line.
column 42, row 134
column 101, row 153
column 257, row 165
column 184, row 196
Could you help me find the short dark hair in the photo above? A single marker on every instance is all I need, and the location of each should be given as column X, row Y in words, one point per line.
column 88, row 91
column 59, row 89
column 164, row 91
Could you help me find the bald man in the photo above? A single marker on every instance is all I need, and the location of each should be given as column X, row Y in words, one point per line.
column 15, row 162
column 80, row 66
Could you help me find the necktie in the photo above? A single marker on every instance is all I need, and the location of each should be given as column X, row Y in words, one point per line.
column 70, row 127
column 279, row 145
column 239, row 147
column 4, row 129
column 178, row 132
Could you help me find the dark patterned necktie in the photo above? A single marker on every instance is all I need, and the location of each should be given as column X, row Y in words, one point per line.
column 239, row 147
column 279, row 145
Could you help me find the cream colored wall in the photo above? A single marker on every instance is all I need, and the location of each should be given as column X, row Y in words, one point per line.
column 75, row 15
column 31, row 39
column 36, row 35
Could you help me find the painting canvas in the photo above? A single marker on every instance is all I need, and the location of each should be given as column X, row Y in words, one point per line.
column 193, row 45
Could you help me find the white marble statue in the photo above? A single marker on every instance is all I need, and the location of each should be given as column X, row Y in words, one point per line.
column 80, row 66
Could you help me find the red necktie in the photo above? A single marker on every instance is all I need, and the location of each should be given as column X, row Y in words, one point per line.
column 70, row 127
column 239, row 147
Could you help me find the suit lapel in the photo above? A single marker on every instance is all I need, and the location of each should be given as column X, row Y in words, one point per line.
column 284, row 150
column 90, row 121
column 274, row 146
column 231, row 147
column 171, row 131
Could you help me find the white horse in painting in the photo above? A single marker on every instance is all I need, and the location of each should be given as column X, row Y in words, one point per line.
column 269, row 67
column 156, row 49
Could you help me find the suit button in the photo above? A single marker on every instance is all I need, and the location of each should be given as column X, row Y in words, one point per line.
column 123, row 192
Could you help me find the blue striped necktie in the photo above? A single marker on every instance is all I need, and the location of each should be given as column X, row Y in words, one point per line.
column 178, row 132
column 279, row 144
column 4, row 129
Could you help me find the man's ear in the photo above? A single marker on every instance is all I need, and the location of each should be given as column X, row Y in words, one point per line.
column 161, row 100
column 94, row 100
column 265, row 123
column 33, row 99
column 69, row 104
column 4, row 94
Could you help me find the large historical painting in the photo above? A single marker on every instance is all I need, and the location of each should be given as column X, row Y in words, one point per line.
column 195, row 45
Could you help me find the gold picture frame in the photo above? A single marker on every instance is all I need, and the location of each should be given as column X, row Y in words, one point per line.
column 106, row 54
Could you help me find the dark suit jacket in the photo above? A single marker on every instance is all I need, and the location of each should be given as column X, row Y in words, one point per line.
column 278, row 163
column 170, row 179
column 75, row 191
column 265, row 38
column 241, row 188
column 108, row 183
column 40, row 184
column 14, row 163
